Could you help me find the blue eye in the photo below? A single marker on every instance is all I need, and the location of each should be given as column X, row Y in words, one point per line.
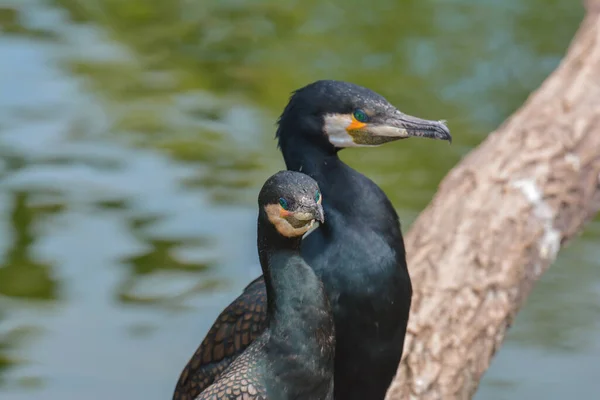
column 360, row 115
column 283, row 203
column 317, row 196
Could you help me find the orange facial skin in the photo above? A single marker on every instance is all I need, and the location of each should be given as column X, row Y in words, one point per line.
column 355, row 125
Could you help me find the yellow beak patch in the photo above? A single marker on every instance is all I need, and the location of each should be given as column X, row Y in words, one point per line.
column 355, row 125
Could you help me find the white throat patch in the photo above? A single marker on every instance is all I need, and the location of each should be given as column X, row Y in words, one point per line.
column 335, row 129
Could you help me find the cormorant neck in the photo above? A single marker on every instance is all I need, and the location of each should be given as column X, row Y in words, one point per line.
column 271, row 245
column 306, row 157
column 303, row 145
column 300, row 348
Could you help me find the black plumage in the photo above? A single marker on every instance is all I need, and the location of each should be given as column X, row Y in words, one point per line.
column 293, row 357
column 359, row 252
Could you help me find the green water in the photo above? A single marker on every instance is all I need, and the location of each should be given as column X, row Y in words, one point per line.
column 134, row 136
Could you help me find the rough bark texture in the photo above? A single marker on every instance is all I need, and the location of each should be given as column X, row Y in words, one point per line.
column 497, row 223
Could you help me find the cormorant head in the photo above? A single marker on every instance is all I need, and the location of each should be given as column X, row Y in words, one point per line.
column 292, row 202
column 341, row 114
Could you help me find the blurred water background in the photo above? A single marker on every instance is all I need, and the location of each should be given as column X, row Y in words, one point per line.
column 134, row 136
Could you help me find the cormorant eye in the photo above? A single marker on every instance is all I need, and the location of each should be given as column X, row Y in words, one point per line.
column 283, row 203
column 317, row 196
column 360, row 115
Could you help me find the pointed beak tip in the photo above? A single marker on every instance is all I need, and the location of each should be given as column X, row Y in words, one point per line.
column 320, row 214
column 448, row 138
column 443, row 132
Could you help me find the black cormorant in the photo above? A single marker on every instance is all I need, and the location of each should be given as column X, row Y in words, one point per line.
column 293, row 358
column 358, row 252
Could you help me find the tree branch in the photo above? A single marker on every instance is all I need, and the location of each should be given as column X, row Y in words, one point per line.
column 497, row 223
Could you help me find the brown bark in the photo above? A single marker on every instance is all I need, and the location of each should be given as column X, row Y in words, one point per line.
column 497, row 223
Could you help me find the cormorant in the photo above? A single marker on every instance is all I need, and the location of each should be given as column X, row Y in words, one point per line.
column 358, row 253
column 293, row 358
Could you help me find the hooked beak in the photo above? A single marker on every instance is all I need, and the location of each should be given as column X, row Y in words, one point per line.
column 401, row 126
column 319, row 214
